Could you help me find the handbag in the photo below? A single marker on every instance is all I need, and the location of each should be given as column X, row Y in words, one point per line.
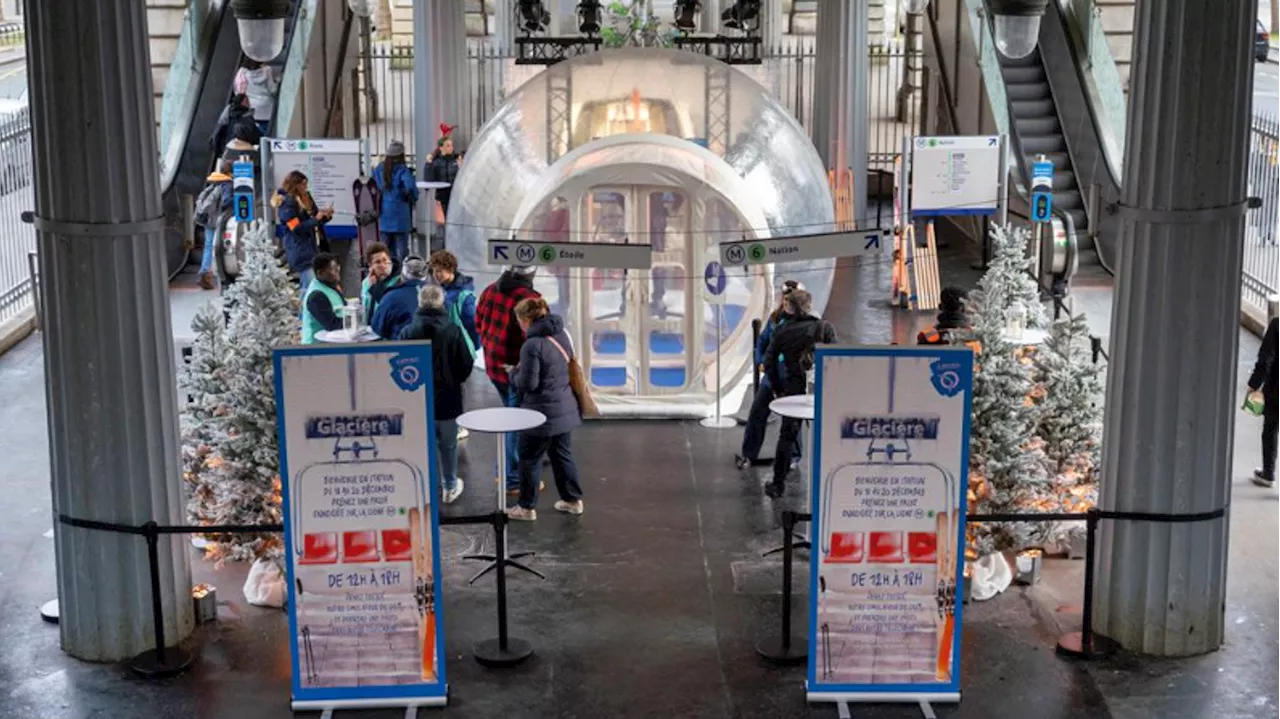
column 1255, row 404
column 578, row 383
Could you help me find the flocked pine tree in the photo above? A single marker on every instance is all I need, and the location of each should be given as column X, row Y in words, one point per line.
column 264, row 315
column 204, row 382
column 1070, row 415
column 1012, row 283
column 1006, row 466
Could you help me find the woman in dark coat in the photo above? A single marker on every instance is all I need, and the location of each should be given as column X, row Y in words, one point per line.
column 303, row 225
column 542, row 382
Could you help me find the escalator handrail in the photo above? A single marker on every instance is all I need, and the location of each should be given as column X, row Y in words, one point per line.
column 210, row 28
column 1111, row 165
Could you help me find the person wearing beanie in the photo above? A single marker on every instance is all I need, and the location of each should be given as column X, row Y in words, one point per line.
column 398, row 305
column 501, row 338
column 399, row 191
column 951, row 317
column 214, row 201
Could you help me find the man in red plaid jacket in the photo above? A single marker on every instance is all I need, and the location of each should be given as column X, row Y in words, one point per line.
column 501, row 338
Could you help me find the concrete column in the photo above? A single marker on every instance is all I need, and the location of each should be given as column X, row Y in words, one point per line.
column 1171, row 394
column 441, row 81
column 773, row 24
column 108, row 344
column 564, row 17
column 709, row 22
column 840, row 93
column 504, row 17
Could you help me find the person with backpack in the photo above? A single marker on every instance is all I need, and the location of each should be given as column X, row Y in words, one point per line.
column 451, row 363
column 236, row 122
column 460, row 295
column 396, row 308
column 758, row 415
column 213, row 201
column 398, row 191
column 787, row 362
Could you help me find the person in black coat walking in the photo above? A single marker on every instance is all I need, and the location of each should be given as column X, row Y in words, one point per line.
column 1265, row 377
column 451, row 366
column 542, row 382
column 794, row 341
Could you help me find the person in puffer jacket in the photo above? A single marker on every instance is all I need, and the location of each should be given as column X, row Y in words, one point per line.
column 303, row 225
column 542, row 381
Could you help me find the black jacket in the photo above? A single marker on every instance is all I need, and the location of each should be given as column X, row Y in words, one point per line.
column 1265, row 370
column 450, row 359
column 236, row 123
column 795, row 339
column 542, row 378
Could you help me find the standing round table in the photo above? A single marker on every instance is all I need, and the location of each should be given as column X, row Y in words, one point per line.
column 499, row 421
column 799, row 406
column 342, row 337
column 430, row 186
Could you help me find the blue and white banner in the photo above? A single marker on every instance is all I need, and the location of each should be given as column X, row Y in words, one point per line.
column 357, row 455
column 891, row 469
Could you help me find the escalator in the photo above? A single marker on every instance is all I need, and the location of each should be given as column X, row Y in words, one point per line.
column 209, row 67
column 1051, row 114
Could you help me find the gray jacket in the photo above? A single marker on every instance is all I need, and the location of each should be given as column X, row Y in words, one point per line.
column 542, row 377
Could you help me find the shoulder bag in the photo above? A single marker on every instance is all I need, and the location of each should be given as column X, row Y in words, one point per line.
column 578, row 383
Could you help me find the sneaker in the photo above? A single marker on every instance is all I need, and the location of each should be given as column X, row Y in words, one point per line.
column 515, row 491
column 520, row 514
column 569, row 507
column 775, row 490
column 1262, row 480
column 741, row 462
column 450, row 495
column 463, row 433
column 795, row 464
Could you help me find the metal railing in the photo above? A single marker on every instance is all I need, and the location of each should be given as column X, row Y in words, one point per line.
column 788, row 72
column 19, row 238
column 1261, row 276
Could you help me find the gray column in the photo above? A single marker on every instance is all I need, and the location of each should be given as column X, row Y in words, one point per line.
column 504, row 18
column 108, row 345
column 1171, row 395
column 564, row 17
column 840, row 93
column 441, row 81
column 709, row 22
column 773, row 24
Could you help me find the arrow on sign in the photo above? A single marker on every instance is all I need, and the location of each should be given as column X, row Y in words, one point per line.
column 872, row 241
column 499, row 252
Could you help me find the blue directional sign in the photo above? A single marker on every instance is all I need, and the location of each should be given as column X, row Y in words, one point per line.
column 242, row 191
column 715, row 278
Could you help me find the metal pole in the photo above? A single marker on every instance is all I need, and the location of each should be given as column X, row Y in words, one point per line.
column 1086, row 630
column 755, row 342
column 788, row 530
column 157, row 615
column 1002, row 209
column 501, row 569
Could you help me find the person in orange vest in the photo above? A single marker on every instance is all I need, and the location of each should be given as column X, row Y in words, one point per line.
column 951, row 317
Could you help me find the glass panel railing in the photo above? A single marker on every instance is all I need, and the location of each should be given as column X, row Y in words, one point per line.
column 295, row 65
column 182, row 91
column 1100, row 77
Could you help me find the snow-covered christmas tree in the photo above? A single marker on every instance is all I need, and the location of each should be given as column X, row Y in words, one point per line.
column 1006, row 467
column 204, row 381
column 1070, row 413
column 245, row 480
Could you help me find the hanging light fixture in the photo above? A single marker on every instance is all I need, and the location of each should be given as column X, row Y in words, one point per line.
column 914, row 7
column 361, row 8
column 1016, row 25
column 533, row 16
column 261, row 27
column 687, row 14
column 590, row 15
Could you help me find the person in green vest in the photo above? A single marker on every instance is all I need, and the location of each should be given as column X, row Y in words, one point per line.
column 322, row 305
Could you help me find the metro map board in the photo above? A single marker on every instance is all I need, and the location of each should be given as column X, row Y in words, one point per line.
column 955, row 175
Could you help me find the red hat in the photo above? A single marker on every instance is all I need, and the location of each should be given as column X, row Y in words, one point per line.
column 446, row 129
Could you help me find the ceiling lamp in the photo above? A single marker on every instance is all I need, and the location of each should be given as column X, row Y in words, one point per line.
column 261, row 27
column 1016, row 25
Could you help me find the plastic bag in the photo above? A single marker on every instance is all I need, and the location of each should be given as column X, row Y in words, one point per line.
column 1254, row 403
column 265, row 585
column 990, row 576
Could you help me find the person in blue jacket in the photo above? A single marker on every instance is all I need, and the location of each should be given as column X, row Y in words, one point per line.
column 398, row 305
column 460, row 295
column 758, row 416
column 218, row 190
column 399, row 192
column 303, row 225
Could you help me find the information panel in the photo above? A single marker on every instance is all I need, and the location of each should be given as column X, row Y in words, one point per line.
column 890, row 476
column 357, row 461
column 955, row 175
column 331, row 166
column 798, row 248
column 571, row 254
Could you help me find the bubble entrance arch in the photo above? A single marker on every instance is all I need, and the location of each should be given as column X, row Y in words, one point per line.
column 608, row 148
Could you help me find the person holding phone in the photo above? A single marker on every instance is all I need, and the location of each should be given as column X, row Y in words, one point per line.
column 399, row 192
column 303, row 225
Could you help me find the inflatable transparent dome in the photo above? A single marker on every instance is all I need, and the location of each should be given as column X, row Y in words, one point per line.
column 659, row 147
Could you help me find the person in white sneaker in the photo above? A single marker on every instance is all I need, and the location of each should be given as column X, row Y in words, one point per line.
column 542, row 380
column 451, row 362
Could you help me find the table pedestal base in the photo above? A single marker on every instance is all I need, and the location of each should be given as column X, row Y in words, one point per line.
column 491, row 653
column 786, row 653
column 509, row 561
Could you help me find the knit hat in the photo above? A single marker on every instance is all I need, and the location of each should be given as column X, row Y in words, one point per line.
column 395, row 148
column 415, row 268
column 524, row 270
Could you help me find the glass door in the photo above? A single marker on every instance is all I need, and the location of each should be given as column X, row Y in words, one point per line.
column 669, row 299
column 611, row 332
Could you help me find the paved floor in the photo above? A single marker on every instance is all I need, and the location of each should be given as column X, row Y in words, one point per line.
column 654, row 597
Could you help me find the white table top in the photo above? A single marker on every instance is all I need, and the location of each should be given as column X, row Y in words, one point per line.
column 363, row 334
column 797, row 406
column 501, row 419
column 432, row 185
column 1029, row 337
